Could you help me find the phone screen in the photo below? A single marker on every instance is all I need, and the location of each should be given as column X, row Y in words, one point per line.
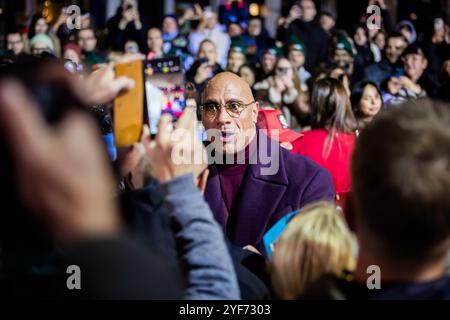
column 164, row 89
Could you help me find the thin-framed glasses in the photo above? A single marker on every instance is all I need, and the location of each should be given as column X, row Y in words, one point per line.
column 233, row 108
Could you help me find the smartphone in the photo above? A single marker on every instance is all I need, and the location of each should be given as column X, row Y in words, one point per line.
column 164, row 89
column 128, row 110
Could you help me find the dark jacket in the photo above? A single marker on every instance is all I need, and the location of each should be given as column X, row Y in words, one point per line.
column 264, row 199
column 117, row 38
column 331, row 288
column 314, row 38
column 379, row 72
column 147, row 218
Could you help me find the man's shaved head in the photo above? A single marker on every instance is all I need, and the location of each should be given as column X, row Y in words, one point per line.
column 228, row 80
column 227, row 87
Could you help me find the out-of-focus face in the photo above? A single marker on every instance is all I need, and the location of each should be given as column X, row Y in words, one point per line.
column 415, row 65
column 284, row 68
column 326, row 22
column 360, row 37
column 254, row 27
column 71, row 55
column 247, row 74
column 211, row 20
column 370, row 103
column 208, row 50
column 297, row 58
column 380, row 40
column 86, row 40
column 308, row 9
column 15, row 43
column 234, row 30
column 342, row 58
column 39, row 47
column 41, row 26
column 268, row 62
column 131, row 47
column 235, row 61
column 170, row 25
column 154, row 40
column 233, row 134
column 394, row 49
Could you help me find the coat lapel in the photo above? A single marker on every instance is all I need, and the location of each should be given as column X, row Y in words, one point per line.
column 260, row 197
column 213, row 195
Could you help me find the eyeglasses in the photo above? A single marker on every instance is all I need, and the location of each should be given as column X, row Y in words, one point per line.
column 233, row 108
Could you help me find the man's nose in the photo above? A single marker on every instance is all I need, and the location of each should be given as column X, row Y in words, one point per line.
column 223, row 116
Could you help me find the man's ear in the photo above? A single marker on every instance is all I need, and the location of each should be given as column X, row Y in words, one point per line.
column 255, row 110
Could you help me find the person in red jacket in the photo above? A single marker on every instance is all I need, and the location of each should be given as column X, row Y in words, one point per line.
column 331, row 141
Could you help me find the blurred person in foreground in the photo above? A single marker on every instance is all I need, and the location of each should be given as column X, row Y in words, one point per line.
column 400, row 207
column 316, row 242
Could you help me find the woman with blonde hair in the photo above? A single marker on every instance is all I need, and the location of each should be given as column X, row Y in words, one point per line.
column 316, row 242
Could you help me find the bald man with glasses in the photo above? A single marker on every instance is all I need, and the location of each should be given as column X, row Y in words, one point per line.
column 252, row 182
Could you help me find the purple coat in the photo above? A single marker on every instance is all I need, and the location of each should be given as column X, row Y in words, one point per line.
column 264, row 199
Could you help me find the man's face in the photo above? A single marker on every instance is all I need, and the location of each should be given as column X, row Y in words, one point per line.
column 342, row 58
column 235, row 61
column 232, row 134
column 208, row 50
column 154, row 40
column 308, row 9
column 254, row 27
column 415, row 65
column 394, row 49
column 15, row 43
column 297, row 58
column 87, row 40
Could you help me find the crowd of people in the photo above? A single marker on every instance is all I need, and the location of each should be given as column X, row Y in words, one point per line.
column 344, row 139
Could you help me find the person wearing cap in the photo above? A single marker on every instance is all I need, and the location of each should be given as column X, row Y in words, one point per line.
column 331, row 141
column 343, row 55
column 273, row 123
column 72, row 52
column 250, row 192
column 408, row 30
column 41, row 43
column 296, row 55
